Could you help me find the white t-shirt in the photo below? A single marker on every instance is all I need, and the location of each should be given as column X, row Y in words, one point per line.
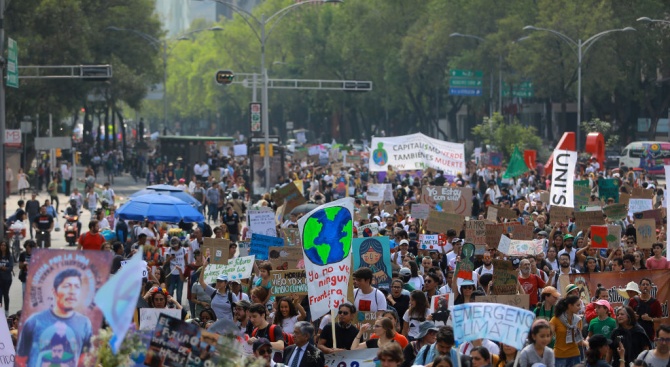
column 374, row 301
column 109, row 195
column 573, row 254
column 205, row 170
column 150, row 234
column 197, row 170
column 484, row 270
column 287, row 325
column 414, row 323
column 416, row 282
column 179, row 259
column 92, row 201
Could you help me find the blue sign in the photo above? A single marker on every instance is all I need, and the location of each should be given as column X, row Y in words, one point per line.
column 260, row 245
column 471, row 92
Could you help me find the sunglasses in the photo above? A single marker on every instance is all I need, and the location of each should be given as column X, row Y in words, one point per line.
column 264, row 351
column 343, row 313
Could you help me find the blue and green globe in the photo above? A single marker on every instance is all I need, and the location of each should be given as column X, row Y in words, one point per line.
column 327, row 235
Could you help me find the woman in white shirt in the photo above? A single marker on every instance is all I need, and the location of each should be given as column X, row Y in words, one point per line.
column 289, row 313
column 416, row 280
column 417, row 313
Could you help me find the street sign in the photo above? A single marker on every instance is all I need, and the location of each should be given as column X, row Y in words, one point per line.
column 465, row 82
column 255, row 116
column 468, row 92
column 261, row 140
column 12, row 63
column 521, row 90
column 13, row 138
column 26, row 127
column 56, row 142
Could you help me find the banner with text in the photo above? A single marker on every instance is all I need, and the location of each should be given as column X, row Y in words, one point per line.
column 562, row 178
column 415, row 152
column 493, row 321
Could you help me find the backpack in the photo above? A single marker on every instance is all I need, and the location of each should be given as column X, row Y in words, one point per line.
column 230, row 300
column 288, row 338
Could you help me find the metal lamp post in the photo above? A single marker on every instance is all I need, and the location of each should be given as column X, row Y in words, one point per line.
column 162, row 44
column 581, row 48
column 649, row 20
column 258, row 27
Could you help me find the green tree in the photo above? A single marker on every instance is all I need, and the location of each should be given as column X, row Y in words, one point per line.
column 504, row 137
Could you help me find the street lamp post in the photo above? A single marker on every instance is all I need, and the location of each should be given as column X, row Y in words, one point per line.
column 162, row 44
column 581, row 48
column 262, row 35
column 649, row 20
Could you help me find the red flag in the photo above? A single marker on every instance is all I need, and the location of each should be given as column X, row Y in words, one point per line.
column 530, row 156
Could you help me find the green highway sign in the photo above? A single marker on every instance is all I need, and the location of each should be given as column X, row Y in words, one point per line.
column 454, row 82
column 466, row 73
column 521, row 90
column 12, row 64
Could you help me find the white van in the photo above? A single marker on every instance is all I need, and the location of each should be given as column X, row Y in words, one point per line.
column 648, row 155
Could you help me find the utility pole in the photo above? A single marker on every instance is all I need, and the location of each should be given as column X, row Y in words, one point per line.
column 3, row 64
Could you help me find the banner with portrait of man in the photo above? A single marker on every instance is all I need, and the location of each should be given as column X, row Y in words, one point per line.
column 59, row 319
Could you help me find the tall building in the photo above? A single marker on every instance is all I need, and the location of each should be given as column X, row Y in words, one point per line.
column 214, row 11
column 175, row 15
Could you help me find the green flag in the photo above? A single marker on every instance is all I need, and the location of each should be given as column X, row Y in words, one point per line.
column 516, row 166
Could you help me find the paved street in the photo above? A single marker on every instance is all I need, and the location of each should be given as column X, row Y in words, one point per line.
column 123, row 186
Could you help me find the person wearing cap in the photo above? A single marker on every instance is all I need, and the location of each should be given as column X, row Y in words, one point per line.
column 599, row 346
column 345, row 330
column 222, row 299
column 177, row 257
column 262, row 349
column 603, row 324
column 426, row 336
column 450, row 259
column 236, row 289
column 403, row 247
column 647, row 308
column 633, row 336
column 242, row 317
column 548, row 299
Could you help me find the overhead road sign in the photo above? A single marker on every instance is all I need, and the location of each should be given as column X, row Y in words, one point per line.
column 466, row 83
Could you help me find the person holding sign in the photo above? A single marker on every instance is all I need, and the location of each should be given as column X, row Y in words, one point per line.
column 345, row 331
column 367, row 297
column 223, row 300
column 567, row 326
column 383, row 329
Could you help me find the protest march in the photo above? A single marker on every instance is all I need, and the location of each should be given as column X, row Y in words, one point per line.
column 409, row 254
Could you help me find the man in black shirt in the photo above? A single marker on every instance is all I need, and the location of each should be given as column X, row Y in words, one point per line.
column 232, row 221
column 33, row 210
column 397, row 299
column 345, row 331
column 43, row 225
column 24, row 260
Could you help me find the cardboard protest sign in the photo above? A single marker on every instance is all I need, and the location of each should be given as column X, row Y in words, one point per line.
column 360, row 357
column 261, row 222
column 389, row 208
column 237, row 268
column 243, row 248
column 642, row 193
column 544, row 197
column 655, row 214
column 493, row 321
column 505, row 213
column 613, row 236
column 149, row 316
column 375, row 192
column 615, row 211
column 582, row 194
column 291, row 236
column 639, row 205
column 439, row 309
column 518, row 231
column 512, row 247
column 584, row 220
column 290, row 194
column 561, row 214
column 492, row 214
column 368, row 230
column 420, row 211
column 351, row 160
column 374, row 253
column 504, row 277
column 284, row 258
column 466, row 266
column 646, row 232
column 364, row 213
column 289, row 282
column 624, row 198
column 365, row 317
column 260, row 245
column 493, row 233
column 457, row 200
column 475, row 232
column 216, row 250
column 516, row 300
column 326, row 234
column 599, row 236
column 62, row 282
column 7, row 352
column 608, row 188
column 442, row 222
column 172, row 343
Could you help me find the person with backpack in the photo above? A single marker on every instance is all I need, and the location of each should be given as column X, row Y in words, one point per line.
column 647, row 308
column 263, row 329
column 367, row 297
column 223, row 300
column 659, row 357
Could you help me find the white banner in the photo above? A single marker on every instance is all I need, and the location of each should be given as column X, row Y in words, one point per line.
column 416, row 152
column 562, row 178
column 7, row 352
column 149, row 316
column 326, row 233
column 350, row 358
column 375, row 192
column 494, row 321
column 262, row 222
column 237, row 268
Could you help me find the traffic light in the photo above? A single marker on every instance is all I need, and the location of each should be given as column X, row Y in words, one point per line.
column 262, row 150
column 224, row 77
